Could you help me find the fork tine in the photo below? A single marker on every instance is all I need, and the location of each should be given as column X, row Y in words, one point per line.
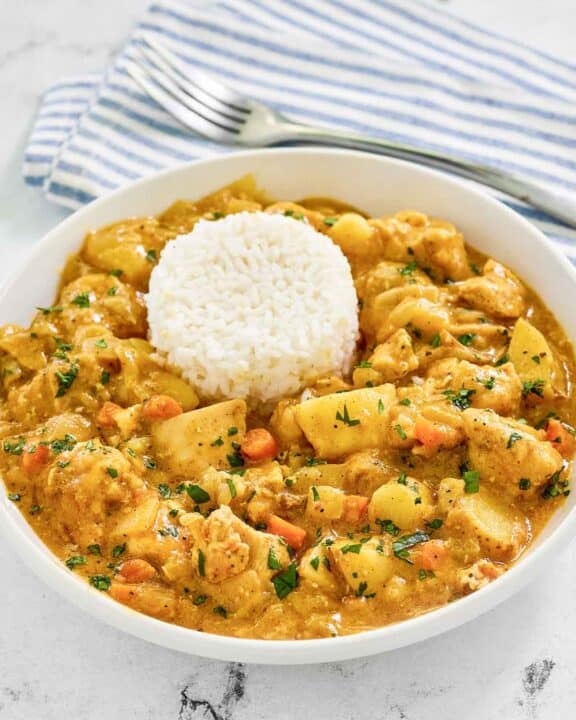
column 208, row 84
column 177, row 109
column 216, row 110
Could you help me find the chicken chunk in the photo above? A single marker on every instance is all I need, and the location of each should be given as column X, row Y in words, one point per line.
column 84, row 489
column 102, row 300
column 505, row 452
column 478, row 575
column 497, row 388
column 394, row 358
column 498, row 292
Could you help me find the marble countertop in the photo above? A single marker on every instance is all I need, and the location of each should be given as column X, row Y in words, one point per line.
column 515, row 663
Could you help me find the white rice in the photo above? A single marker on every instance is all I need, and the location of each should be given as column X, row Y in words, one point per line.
column 254, row 305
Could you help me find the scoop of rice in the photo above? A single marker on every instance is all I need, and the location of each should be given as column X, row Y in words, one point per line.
column 254, row 305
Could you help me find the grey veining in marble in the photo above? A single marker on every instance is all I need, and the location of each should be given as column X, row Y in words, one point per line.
column 56, row 663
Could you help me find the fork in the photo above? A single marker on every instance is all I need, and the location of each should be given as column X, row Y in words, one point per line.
column 218, row 113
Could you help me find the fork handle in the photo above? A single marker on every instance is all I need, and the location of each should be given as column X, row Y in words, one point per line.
column 557, row 205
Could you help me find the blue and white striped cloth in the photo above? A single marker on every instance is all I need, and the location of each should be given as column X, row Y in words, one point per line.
column 399, row 69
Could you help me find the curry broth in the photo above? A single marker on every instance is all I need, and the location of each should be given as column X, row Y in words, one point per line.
column 99, row 488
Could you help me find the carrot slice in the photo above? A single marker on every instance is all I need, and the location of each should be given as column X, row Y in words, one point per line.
column 161, row 407
column 428, row 433
column 293, row 534
column 105, row 417
column 136, row 571
column 431, row 554
column 259, row 444
column 34, row 458
column 560, row 436
column 355, row 507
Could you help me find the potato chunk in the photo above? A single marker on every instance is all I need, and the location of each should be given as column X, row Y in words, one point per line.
column 365, row 567
column 533, row 358
column 187, row 444
column 324, row 503
column 407, row 503
column 501, row 532
column 343, row 423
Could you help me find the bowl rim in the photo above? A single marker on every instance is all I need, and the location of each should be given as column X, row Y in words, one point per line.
column 279, row 652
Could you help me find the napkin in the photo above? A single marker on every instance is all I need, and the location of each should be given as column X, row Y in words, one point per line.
column 399, row 69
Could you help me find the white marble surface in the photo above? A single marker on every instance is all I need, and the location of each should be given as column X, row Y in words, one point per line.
column 516, row 662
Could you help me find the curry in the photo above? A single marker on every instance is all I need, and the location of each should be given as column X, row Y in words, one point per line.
column 418, row 478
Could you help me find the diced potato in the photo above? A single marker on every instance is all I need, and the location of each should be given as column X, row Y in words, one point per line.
column 449, row 491
column 502, row 533
column 365, row 567
column 187, row 444
column 165, row 383
column 324, row 503
column 136, row 519
column 406, row 505
column 352, row 233
column 325, row 474
column 344, row 423
column 532, row 356
column 314, row 568
column 284, row 426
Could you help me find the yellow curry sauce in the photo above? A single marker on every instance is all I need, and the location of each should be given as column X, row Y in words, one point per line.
column 363, row 501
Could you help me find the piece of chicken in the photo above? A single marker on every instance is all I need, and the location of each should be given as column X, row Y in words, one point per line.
column 497, row 292
column 505, row 452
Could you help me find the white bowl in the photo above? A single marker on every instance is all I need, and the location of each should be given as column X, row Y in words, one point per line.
column 377, row 185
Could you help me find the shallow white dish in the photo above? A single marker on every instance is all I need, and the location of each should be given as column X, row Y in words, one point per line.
column 379, row 186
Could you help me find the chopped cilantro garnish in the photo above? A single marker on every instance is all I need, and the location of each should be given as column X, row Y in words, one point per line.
column 105, row 377
column 149, row 462
column 330, row 221
column 311, row 461
column 471, row 481
column 513, row 438
column 82, row 300
column 436, row 340
column 101, row 582
column 164, row 491
column 231, row 487
column 14, row 448
column 400, row 430
column 200, row 599
column 51, row 309
column 201, row 563
column 198, row 494
column 232, row 431
column 351, row 548
column 74, row 561
column 401, row 547
column 315, row 494
column 151, row 256
column 408, row 269
column 119, row 550
column 388, row 527
column 15, row 497
column 101, row 343
column 273, row 562
column 466, row 339
column 219, row 610
column 94, row 549
column 524, row 484
column 112, row 472
column 435, row 524
column 460, row 398
column 534, row 387
column 66, row 379
column 218, row 442
column 365, row 364
column 345, row 417
column 285, row 582
column 406, row 402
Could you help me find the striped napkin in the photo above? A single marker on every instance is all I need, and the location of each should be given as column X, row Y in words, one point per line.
column 399, row 69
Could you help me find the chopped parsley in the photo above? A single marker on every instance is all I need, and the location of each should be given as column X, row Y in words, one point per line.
column 315, row 494
column 488, row 383
column 235, row 459
column 460, row 398
column 533, row 387
column 218, row 442
column 94, row 549
column 149, row 463
column 74, row 561
column 466, row 339
column 101, row 582
column 82, row 300
column 315, row 562
column 116, row 272
column 330, row 221
column 101, row 343
column 232, row 431
column 524, row 484
column 556, row 487
column 231, row 487
column 14, row 448
column 66, row 379
column 198, row 494
column 105, row 377
column 51, row 309
column 201, row 563
column 351, row 548
column 345, row 417
column 435, row 524
column 112, row 472
column 112, row 291
column 471, row 481
column 400, row 430
column 364, row 364
column 273, row 562
column 35, row 509
column 402, row 546
column 475, row 269
column 512, row 439
column 536, row 359
column 311, row 461
column 406, row 402
column 200, row 599
column 219, row 610
column 402, row 479
column 408, row 269
column 380, row 407
column 15, row 497
column 164, row 491
column 169, row 530
column 151, row 256
column 63, row 445
column 388, row 527
column 119, row 550
column 436, row 340
column 286, row 581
